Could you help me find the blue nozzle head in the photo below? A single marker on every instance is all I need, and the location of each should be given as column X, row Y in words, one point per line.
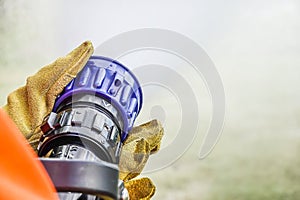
column 111, row 81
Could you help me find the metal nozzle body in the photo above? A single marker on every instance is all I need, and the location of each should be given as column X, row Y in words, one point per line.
column 84, row 133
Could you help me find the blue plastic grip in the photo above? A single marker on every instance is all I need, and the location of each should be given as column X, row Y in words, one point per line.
column 112, row 81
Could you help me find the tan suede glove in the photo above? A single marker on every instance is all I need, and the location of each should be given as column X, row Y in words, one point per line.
column 29, row 105
column 142, row 141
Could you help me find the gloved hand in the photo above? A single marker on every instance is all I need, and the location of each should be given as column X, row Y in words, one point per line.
column 142, row 141
column 29, row 105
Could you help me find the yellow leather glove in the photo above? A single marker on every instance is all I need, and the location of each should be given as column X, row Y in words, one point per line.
column 30, row 104
column 142, row 141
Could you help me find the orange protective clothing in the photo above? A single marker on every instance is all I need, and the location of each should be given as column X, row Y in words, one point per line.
column 22, row 175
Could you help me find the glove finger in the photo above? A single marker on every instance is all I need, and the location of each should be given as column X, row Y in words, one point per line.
column 141, row 142
column 47, row 83
column 142, row 188
column 56, row 76
column 151, row 131
column 29, row 105
column 133, row 158
column 75, row 61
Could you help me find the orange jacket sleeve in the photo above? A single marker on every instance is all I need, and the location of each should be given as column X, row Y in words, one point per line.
column 22, row 176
